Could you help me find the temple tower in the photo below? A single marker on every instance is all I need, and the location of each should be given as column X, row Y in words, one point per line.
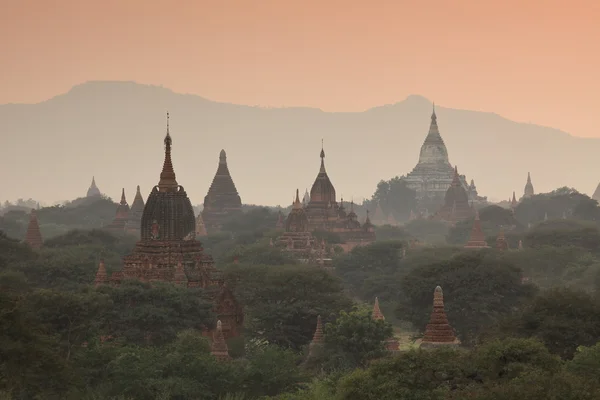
column 121, row 216
column 438, row 331
column 322, row 209
column 134, row 218
column 391, row 344
column 218, row 346
column 456, row 202
column 513, row 202
column 200, row 227
column 101, row 275
column 33, row 236
column 297, row 238
column 528, row 192
column 477, row 239
column 222, row 199
column 93, row 189
column 318, row 341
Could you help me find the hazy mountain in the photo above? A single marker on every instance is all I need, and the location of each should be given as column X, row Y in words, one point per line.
column 114, row 130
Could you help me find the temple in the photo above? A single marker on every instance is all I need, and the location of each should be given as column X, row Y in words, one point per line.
column 456, row 202
column 93, row 189
column 477, row 239
column 318, row 341
column 391, row 344
column 134, row 218
column 438, row 331
column 33, row 236
column 433, row 175
column 218, row 346
column 200, row 227
column 222, row 200
column 168, row 250
column 297, row 239
column 118, row 224
column 528, row 191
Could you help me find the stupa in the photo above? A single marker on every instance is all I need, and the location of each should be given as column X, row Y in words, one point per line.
column 297, row 239
column 477, row 239
column 93, row 189
column 528, row 192
column 200, row 227
column 391, row 344
column 222, row 200
column 121, row 216
column 456, row 202
column 318, row 340
column 218, row 346
column 101, row 274
column 134, row 217
column 438, row 331
column 33, row 236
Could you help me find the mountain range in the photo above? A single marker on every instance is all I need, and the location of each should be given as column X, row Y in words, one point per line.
column 114, row 131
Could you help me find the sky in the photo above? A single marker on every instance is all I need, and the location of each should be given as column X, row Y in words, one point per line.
column 530, row 61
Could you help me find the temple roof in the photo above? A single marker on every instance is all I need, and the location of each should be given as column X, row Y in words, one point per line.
column 93, row 189
column 219, row 347
column 456, row 201
column 477, row 239
column 433, row 150
column 377, row 314
column 168, row 213
column 297, row 220
column 528, row 192
column 322, row 190
column 596, row 195
column 33, row 236
column 222, row 183
column 438, row 331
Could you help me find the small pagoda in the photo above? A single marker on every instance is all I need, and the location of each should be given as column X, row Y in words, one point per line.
column 318, row 340
column 93, row 190
column 33, row 236
column 297, row 239
column 438, row 331
column 477, row 239
column 200, row 227
column 528, row 191
column 118, row 224
column 134, row 217
column 218, row 346
column 456, row 202
column 169, row 252
column 391, row 344
column 222, row 200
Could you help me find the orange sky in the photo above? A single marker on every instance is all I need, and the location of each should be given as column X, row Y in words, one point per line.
column 528, row 60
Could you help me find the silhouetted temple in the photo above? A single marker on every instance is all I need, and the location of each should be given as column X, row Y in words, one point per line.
column 93, row 189
column 391, row 344
column 222, row 200
column 297, row 239
column 528, row 192
column 134, row 218
column 438, row 331
column 477, row 239
column 433, row 175
column 456, row 202
column 33, row 236
column 168, row 249
column 200, row 227
column 118, row 224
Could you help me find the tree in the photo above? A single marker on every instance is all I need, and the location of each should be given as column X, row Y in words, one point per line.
column 478, row 290
column 396, row 197
column 563, row 232
column 428, row 231
column 282, row 302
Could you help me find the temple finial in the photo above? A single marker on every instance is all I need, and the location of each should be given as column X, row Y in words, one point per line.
column 433, row 116
column 167, row 181
column 322, row 170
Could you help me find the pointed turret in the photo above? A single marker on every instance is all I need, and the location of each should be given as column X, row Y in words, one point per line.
column 200, row 228
column 513, row 202
column 93, row 189
column 501, row 243
column 528, row 192
column 168, row 181
column 433, row 150
column 219, row 347
column 222, row 200
column 121, row 216
column 322, row 192
column 134, row 218
column 477, row 239
column 101, row 275
column 377, row 314
column 318, row 341
column 306, row 198
column 33, row 237
column 438, row 332
column 596, row 195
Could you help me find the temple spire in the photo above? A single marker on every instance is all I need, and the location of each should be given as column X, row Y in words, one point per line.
column 438, row 331
column 322, row 170
column 101, row 275
column 168, row 182
column 377, row 314
column 33, row 237
column 297, row 204
column 123, row 200
column 219, row 347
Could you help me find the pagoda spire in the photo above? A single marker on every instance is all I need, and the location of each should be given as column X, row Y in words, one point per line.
column 477, row 239
column 297, row 204
column 377, row 314
column 513, row 202
column 318, row 340
column 322, row 155
column 123, row 200
column 168, row 182
column 33, row 237
column 101, row 275
column 438, row 331
column 219, row 347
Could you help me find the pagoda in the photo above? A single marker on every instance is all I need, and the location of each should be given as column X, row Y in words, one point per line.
column 351, row 231
column 501, row 243
column 306, row 198
column 456, row 202
column 93, row 190
column 118, row 224
column 438, row 331
column 168, row 247
column 134, row 218
column 218, row 346
column 596, row 195
column 433, row 175
column 200, row 227
column 528, row 192
column 322, row 209
column 33, row 236
column 477, row 239
column 513, row 201
column 391, row 344
column 222, row 200
column 318, row 340
column 101, row 274
column 297, row 239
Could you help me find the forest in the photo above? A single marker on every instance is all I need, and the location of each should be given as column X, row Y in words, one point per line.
column 528, row 319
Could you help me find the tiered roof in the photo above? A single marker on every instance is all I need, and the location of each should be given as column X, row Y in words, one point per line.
column 438, row 331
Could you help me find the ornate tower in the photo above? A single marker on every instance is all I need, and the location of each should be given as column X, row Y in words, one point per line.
column 93, row 189
column 297, row 239
column 528, row 192
column 134, row 218
column 222, row 199
column 33, row 237
column 121, row 216
column 456, row 202
column 322, row 209
column 438, row 331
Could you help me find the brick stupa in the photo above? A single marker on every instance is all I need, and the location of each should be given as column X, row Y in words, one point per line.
column 218, row 346
column 318, row 340
column 134, row 217
column 33, row 237
column 438, row 331
column 391, row 344
column 101, row 275
column 93, row 190
column 118, row 224
column 477, row 239
column 456, row 202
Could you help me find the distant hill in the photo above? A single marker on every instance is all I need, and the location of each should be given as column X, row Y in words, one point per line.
column 114, row 130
